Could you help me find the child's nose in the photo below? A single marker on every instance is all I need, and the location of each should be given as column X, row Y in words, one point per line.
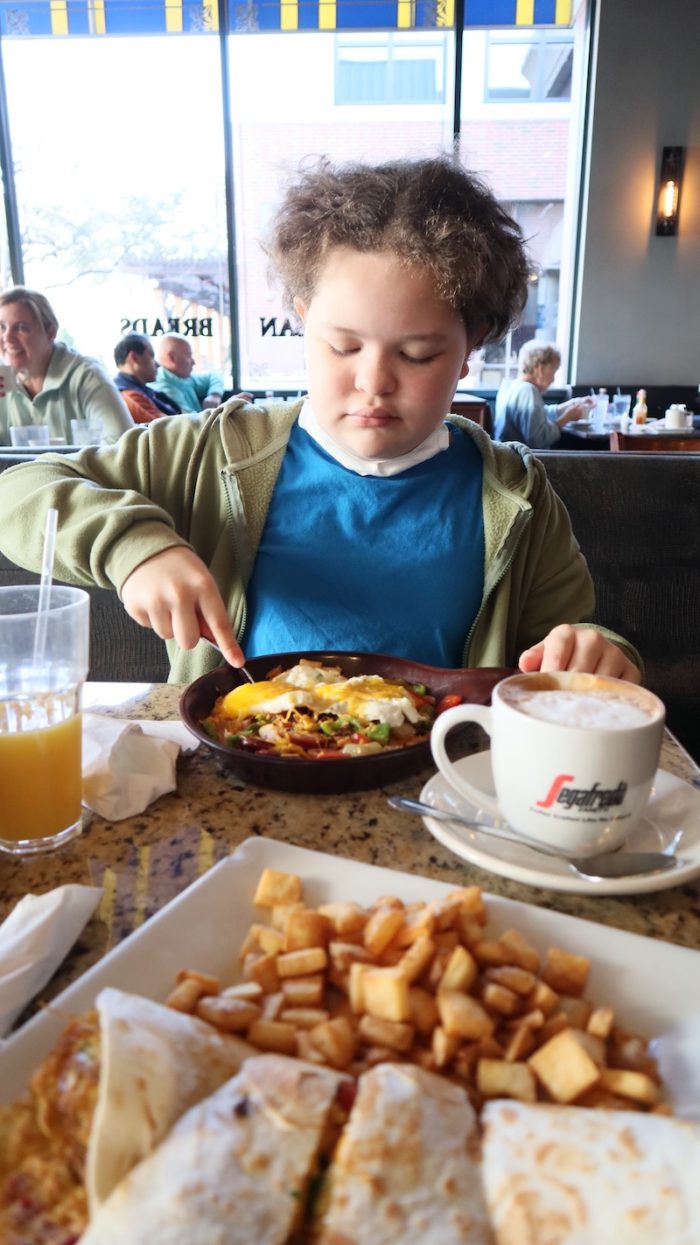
column 374, row 375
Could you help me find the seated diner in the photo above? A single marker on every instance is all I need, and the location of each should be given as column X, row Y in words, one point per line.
column 53, row 383
column 521, row 414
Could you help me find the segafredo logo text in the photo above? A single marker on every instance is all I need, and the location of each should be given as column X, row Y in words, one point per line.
column 594, row 797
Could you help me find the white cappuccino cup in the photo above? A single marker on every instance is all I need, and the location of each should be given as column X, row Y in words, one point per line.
column 573, row 757
column 675, row 417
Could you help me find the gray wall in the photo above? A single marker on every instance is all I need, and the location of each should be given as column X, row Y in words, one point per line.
column 638, row 316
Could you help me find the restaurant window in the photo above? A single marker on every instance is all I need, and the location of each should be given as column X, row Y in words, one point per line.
column 120, row 187
column 276, row 130
column 529, row 67
column 390, row 69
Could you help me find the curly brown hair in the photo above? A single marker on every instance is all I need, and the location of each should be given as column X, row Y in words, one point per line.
column 431, row 213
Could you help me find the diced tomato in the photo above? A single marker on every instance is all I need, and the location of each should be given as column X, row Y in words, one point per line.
column 346, row 1094
column 252, row 743
column 419, row 700
column 448, row 702
column 358, row 737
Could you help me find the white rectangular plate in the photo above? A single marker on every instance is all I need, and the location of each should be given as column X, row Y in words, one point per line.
column 654, row 986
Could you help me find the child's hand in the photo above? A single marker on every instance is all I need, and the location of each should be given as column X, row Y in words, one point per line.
column 173, row 592
column 579, row 648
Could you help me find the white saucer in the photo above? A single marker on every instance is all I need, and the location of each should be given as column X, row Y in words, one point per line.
column 672, row 818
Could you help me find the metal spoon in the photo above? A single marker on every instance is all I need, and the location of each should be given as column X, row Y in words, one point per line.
column 206, row 634
column 597, row 868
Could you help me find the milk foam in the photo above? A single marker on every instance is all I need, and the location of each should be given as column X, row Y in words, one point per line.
column 589, row 710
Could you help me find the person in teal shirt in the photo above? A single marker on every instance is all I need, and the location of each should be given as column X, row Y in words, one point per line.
column 199, row 391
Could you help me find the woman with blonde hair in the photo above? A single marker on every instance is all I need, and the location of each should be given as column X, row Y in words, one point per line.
column 54, row 384
column 521, row 414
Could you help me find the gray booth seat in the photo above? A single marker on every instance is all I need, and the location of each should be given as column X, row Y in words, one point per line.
column 637, row 519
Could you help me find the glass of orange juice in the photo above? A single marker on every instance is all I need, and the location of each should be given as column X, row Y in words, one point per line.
column 40, row 720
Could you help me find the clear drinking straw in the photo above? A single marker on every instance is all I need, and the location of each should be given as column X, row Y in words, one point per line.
column 42, row 617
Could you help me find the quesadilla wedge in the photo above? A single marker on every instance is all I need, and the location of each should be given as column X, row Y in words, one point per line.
column 234, row 1169
column 571, row 1176
column 155, row 1063
column 406, row 1168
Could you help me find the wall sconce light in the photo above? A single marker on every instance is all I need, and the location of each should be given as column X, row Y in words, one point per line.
column 669, row 191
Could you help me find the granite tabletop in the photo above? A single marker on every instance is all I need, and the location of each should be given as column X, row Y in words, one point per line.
column 144, row 861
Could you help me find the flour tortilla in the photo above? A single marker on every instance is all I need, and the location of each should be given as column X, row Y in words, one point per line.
column 571, row 1176
column 233, row 1170
column 155, row 1063
column 407, row 1166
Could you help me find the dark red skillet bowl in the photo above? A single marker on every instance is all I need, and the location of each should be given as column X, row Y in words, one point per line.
column 350, row 773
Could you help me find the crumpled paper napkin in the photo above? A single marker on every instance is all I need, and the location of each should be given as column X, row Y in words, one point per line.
column 127, row 765
column 34, row 938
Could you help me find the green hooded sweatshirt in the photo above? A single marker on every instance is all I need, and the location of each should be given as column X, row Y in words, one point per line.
column 205, row 482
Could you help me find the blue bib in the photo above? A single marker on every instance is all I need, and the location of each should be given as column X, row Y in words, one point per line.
column 379, row 564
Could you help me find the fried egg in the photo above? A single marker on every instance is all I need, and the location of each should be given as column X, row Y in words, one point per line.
column 367, row 698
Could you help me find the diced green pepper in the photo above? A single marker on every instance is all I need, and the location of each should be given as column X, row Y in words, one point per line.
column 232, row 740
column 420, row 689
column 380, row 732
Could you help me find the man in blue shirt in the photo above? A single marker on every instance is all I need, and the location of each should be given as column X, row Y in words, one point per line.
column 175, row 376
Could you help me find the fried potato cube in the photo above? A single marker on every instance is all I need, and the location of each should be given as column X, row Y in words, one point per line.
column 423, row 1057
column 424, row 1012
column 306, row 928
column 185, row 996
column 304, row 1017
column 471, row 903
column 394, row 1034
column 390, row 901
column 206, row 983
column 302, row 963
column 544, row 998
column 577, row 1011
column 444, row 1046
column 461, row 971
column 489, row 1048
column 521, row 1044
column 447, row 940
column 470, row 930
column 498, row 1078
column 565, row 972
column 490, row 952
column 519, row 980
column 386, row 994
column 391, row 957
column 417, row 958
column 415, row 924
column 251, row 990
column 552, row 1026
column 445, row 910
column 627, row 1084
column 463, row 1016
column 303, row 991
column 519, row 950
column 345, row 918
column 381, row 927
column 306, row 1049
column 600, row 1022
column 276, row 888
column 564, row 1068
column 500, row 999
column 232, row 1015
column 341, row 981
column 336, row 1040
column 594, row 1046
column 437, row 968
column 343, row 954
column 262, row 938
column 629, row 1050
column 263, row 969
column 271, row 1006
column 465, row 1061
column 602, row 1100
column 281, row 913
column 273, row 1035
column 356, row 990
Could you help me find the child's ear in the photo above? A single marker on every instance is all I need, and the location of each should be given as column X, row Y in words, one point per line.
column 464, row 370
column 300, row 309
